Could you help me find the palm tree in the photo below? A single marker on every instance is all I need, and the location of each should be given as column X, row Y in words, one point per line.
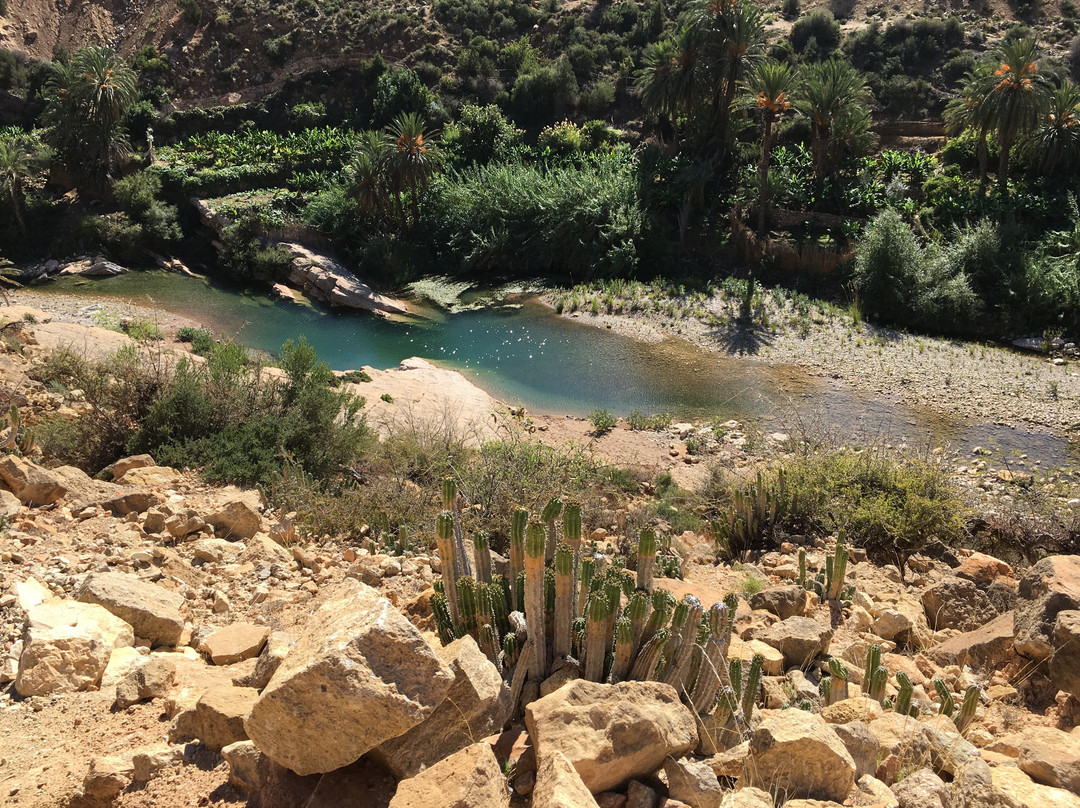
column 735, row 42
column 1017, row 102
column 368, row 185
column 15, row 169
column 8, row 273
column 832, row 92
column 969, row 112
column 1056, row 141
column 84, row 113
column 409, row 160
column 772, row 83
column 670, row 81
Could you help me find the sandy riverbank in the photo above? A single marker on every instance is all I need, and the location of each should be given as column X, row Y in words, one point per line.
column 957, row 378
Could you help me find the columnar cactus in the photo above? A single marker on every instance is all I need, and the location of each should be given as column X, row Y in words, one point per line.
column 534, row 597
column 624, row 650
column 586, row 572
column 646, row 559
column 707, row 684
column 572, row 536
column 967, row 708
column 948, row 705
column 649, row 658
column 596, row 636
column 873, row 662
column 483, row 557
column 836, row 570
column 450, row 505
column 752, row 687
column 517, row 554
column 663, row 604
column 637, row 611
column 444, row 535
column 548, row 516
column 839, row 673
column 678, row 666
column 564, row 600
column 905, row 689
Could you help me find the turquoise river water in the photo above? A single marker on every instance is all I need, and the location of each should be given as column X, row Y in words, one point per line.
column 525, row 354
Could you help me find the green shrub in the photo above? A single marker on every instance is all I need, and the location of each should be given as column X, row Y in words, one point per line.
column 602, row 422
column 790, row 9
column 640, row 421
column 481, row 134
column 819, row 27
column 190, row 10
column 561, row 138
column 201, row 339
column 399, row 91
column 244, row 255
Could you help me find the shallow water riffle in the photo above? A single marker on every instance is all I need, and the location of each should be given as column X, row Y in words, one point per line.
column 525, row 354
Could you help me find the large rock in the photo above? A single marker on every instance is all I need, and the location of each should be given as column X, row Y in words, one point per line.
column 31, row 483
column 1024, row 792
column 1050, row 586
column 220, row 714
column 861, row 744
column 611, row 733
column 235, row 643
column 783, row 601
column 984, row 648
column 277, row 647
column 982, row 570
column 153, row 679
column 958, row 604
column 126, row 464
column 471, row 778
column 237, row 520
column 902, row 743
column 799, row 639
column 923, row 789
column 152, row 477
column 1065, row 662
column 558, row 785
column 1048, row 756
column 477, row 705
column 67, row 647
column 359, row 675
column 693, row 782
column 321, row 277
column 152, row 611
column 796, row 753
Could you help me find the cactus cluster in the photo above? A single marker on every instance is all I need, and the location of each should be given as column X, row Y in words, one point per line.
column 829, row 583
column 582, row 611
column 750, row 519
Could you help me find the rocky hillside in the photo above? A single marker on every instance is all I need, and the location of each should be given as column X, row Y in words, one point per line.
column 166, row 642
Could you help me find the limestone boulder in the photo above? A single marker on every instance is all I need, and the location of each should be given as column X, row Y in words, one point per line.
column 693, row 782
column 857, row 708
column 107, row 777
column 982, row 569
column 748, row 797
column 783, row 601
column 31, row 483
column 800, row 639
column 149, row 761
column 152, row 611
column 359, row 675
column 9, row 504
column 151, row 477
column 67, row 647
column 1047, row 588
column 470, row 778
column 1048, row 756
column 237, row 520
column 861, row 744
column 274, row 651
column 957, row 603
column 235, row 643
column 221, row 712
column 558, row 785
column 797, row 753
column 126, row 464
column 1020, row 790
column 984, row 648
column 151, row 680
column 184, row 523
column 611, row 733
column 477, row 705
column 1065, row 662
column 923, row 789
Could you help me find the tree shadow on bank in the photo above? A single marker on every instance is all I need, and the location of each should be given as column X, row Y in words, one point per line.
column 741, row 337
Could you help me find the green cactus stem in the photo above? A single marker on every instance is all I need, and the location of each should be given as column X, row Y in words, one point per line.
column 564, row 600
column 483, row 557
column 444, row 536
column 873, row 662
column 499, row 610
column 444, row 626
column 637, row 610
column 947, row 703
column 646, row 559
column 707, row 683
column 624, row 644
column 517, row 555
column 878, row 681
column 586, row 572
column 577, row 634
column 840, row 674
column 967, row 708
column 572, row 535
column 802, row 568
column 534, row 597
column 679, row 666
column 510, row 650
column 735, row 678
column 726, row 706
column 466, row 588
column 663, row 604
column 613, row 592
column 904, row 691
column 596, row 638
column 449, row 493
column 548, row 516
column 650, row 656
column 489, row 644
column 752, row 687
column 825, row 688
column 836, row 569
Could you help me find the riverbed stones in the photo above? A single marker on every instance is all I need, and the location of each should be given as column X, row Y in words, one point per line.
column 956, row 603
column 800, row 639
column 1050, row 586
column 235, row 643
column 798, row 754
column 470, row 778
column 31, row 483
column 477, row 705
column 360, row 674
column 237, row 520
column 153, row 612
column 611, row 733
